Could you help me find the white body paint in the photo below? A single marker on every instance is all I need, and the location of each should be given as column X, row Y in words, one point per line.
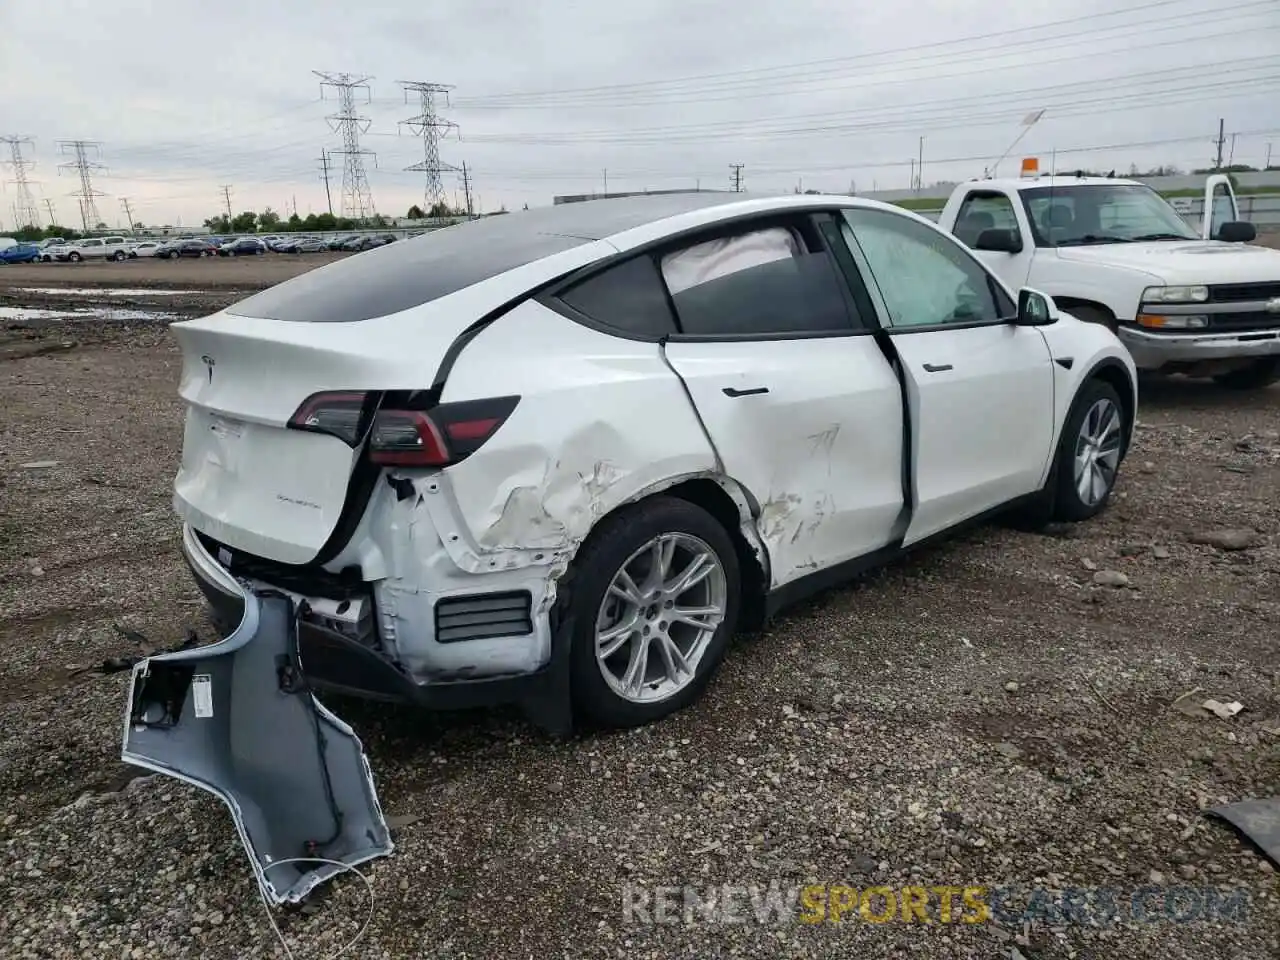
column 815, row 465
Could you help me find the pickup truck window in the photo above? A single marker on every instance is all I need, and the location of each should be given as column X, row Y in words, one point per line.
column 1101, row 213
column 984, row 210
column 923, row 276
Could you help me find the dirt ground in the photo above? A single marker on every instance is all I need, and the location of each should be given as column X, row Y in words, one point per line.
column 983, row 713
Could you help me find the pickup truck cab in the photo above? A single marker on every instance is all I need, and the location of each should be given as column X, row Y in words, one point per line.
column 1115, row 252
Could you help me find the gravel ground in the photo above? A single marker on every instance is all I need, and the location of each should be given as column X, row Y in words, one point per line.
column 983, row 713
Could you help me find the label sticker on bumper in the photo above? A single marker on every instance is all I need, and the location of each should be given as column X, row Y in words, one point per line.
column 202, row 695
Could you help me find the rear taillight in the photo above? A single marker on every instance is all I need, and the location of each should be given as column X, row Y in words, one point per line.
column 342, row 415
column 436, row 438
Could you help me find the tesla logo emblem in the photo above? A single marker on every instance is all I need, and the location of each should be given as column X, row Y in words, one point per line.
column 208, row 363
column 1273, row 305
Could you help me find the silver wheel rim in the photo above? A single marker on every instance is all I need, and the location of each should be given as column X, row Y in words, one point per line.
column 1097, row 452
column 658, row 616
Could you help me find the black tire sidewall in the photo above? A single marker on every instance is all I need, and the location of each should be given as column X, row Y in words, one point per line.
column 1068, row 505
column 599, row 560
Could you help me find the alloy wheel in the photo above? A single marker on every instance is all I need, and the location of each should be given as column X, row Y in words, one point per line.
column 658, row 617
column 1098, row 451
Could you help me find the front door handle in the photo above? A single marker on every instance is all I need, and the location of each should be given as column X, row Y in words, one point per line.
column 734, row 392
column 937, row 368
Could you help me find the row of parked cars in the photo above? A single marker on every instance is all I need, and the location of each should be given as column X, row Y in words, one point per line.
column 123, row 248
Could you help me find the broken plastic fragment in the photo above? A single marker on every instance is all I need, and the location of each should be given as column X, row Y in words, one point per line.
column 236, row 718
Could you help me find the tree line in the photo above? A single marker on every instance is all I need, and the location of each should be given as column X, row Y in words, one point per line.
column 268, row 221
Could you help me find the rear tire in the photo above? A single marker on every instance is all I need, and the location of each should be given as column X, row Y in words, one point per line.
column 74, row 257
column 1256, row 376
column 681, row 654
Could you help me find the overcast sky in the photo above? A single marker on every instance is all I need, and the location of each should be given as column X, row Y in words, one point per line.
column 564, row 96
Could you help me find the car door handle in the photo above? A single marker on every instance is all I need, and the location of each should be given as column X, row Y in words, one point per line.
column 734, row 392
column 937, row 368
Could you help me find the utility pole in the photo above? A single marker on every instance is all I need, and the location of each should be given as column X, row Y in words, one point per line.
column 324, row 175
column 226, row 199
column 605, row 174
column 466, row 189
column 357, row 198
column 1267, row 165
column 1231, row 158
column 84, row 167
column 53, row 217
column 737, row 176
column 920, row 167
column 25, row 211
column 1221, row 139
column 432, row 127
column 128, row 214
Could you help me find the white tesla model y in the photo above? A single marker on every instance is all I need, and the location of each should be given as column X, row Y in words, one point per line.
column 557, row 457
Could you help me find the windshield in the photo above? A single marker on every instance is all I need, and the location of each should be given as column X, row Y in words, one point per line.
column 1064, row 216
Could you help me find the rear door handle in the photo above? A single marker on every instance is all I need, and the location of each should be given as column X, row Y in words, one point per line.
column 937, row 368
column 734, row 392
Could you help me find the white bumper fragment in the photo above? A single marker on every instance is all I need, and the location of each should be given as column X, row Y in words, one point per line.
column 237, row 719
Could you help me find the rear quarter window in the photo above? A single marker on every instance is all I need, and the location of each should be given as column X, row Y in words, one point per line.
column 629, row 298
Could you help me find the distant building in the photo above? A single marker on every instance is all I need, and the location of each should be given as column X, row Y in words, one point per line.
column 579, row 197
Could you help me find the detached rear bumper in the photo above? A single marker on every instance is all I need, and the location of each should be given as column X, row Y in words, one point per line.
column 234, row 718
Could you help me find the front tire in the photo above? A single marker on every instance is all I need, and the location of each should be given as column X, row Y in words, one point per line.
column 74, row 258
column 655, row 597
column 1089, row 453
column 1256, row 376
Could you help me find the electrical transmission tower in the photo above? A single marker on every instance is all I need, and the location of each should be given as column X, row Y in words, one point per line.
column 53, row 217
column 432, row 127
column 89, row 216
column 357, row 199
column 737, row 176
column 24, row 207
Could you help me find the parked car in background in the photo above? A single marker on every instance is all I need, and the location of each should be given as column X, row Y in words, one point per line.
column 55, row 251
column 20, row 253
column 367, row 242
column 244, row 247
column 144, row 248
column 310, row 245
column 115, row 248
column 338, row 243
column 188, row 248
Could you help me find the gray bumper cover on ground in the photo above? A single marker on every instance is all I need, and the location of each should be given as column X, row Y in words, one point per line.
column 236, row 719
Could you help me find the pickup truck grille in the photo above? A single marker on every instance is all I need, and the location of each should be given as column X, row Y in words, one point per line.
column 1255, row 320
column 1243, row 292
column 482, row 615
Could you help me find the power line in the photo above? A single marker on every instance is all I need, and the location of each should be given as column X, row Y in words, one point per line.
column 25, row 212
column 84, row 167
column 432, row 128
column 808, row 70
column 357, row 198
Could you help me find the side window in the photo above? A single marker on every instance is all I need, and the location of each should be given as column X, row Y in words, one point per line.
column 984, row 211
column 923, row 276
column 629, row 297
column 763, row 282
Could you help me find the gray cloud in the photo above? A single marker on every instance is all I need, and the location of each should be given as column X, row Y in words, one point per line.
column 186, row 97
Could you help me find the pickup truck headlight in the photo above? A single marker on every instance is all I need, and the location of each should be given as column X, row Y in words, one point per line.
column 1179, row 294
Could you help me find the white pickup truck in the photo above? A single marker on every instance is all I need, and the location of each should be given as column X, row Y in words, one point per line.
column 1114, row 251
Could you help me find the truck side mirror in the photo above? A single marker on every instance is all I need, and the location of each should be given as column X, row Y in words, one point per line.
column 1035, row 309
column 1001, row 241
column 1237, row 231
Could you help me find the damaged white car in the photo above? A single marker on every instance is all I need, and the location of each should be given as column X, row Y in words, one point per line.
column 557, row 457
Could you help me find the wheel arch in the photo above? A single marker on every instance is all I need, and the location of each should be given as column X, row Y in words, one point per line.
column 1113, row 372
column 1069, row 303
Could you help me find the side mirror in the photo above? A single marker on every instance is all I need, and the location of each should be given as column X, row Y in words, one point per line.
column 1001, row 241
column 1035, row 309
column 1237, row 231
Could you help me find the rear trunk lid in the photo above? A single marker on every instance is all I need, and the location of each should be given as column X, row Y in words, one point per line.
column 382, row 320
